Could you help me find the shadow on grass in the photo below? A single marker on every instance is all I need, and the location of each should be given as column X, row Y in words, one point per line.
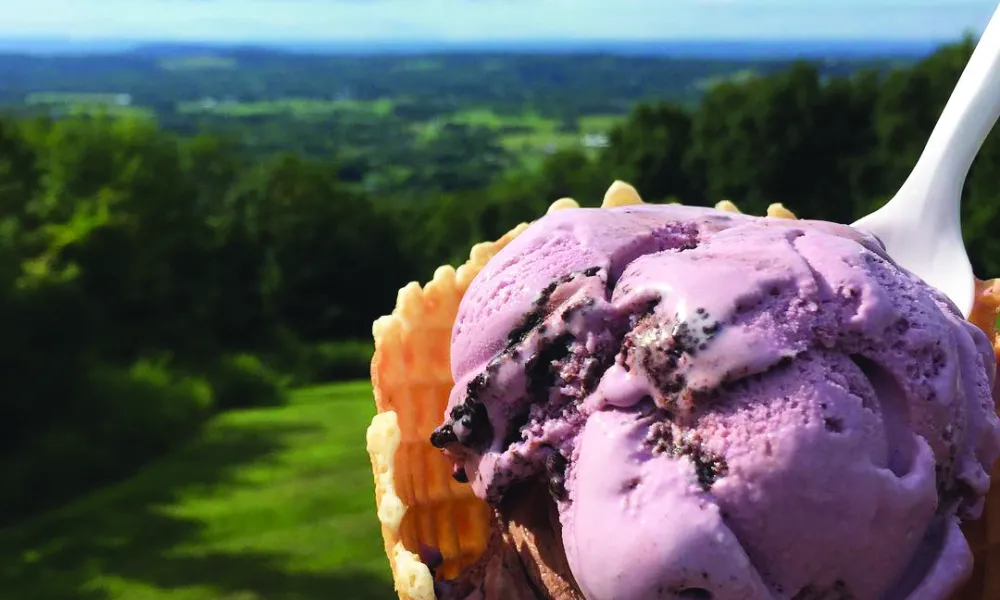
column 129, row 533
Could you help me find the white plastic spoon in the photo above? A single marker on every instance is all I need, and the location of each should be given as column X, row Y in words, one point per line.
column 921, row 226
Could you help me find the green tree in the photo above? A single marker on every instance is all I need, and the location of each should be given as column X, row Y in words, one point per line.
column 650, row 151
column 330, row 260
column 909, row 103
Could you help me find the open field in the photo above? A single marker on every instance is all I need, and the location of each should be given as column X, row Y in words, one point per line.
column 295, row 107
column 531, row 148
column 271, row 504
column 598, row 123
column 487, row 119
column 92, row 104
column 545, row 137
column 741, row 76
column 530, row 135
column 81, row 98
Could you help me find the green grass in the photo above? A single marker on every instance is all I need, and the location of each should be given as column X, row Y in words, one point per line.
column 132, row 112
column 488, row 118
column 271, row 504
column 75, row 98
column 741, row 76
column 539, row 139
column 421, row 65
column 485, row 117
column 528, row 135
column 599, row 123
column 92, row 104
column 295, row 107
column 537, row 135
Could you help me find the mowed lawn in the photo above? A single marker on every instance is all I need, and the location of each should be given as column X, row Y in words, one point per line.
column 271, row 504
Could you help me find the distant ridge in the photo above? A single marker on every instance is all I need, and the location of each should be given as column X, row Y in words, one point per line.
column 710, row 49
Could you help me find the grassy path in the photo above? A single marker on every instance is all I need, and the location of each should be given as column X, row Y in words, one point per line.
column 271, row 504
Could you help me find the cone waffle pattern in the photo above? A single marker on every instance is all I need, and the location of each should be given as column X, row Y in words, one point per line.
column 984, row 534
column 420, row 505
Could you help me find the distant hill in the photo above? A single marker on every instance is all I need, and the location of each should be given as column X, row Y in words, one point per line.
column 731, row 49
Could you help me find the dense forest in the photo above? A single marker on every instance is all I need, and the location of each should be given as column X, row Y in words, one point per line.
column 195, row 239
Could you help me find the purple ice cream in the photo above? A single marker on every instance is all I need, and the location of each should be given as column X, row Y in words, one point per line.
column 726, row 407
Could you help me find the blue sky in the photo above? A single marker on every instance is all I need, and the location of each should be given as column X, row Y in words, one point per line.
column 458, row 20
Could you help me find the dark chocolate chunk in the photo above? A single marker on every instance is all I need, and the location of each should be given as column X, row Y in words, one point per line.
column 660, row 437
column 555, row 462
column 443, row 435
column 540, row 307
column 539, row 368
column 708, row 467
column 555, row 467
column 476, row 386
column 517, row 423
column 644, row 311
column 593, row 371
column 660, row 349
column 472, row 425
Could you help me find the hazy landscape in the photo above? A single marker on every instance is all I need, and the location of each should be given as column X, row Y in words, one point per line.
column 195, row 239
column 396, row 123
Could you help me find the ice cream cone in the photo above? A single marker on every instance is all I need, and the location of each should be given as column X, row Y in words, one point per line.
column 984, row 538
column 984, row 534
column 419, row 504
column 423, row 509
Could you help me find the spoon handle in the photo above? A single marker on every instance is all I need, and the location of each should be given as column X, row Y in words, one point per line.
column 967, row 119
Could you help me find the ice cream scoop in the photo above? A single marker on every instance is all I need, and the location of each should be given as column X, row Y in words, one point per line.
column 436, row 530
column 725, row 406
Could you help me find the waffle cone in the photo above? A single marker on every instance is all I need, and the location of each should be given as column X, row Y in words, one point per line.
column 420, row 505
column 984, row 539
column 984, row 534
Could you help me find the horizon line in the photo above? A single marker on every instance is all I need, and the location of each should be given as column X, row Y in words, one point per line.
column 439, row 40
column 690, row 47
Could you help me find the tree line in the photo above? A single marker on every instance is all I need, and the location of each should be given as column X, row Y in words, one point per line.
column 149, row 279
